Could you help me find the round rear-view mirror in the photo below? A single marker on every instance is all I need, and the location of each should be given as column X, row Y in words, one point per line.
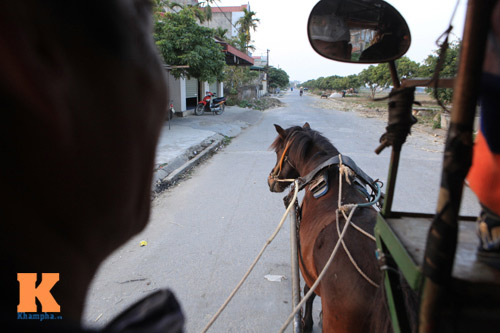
column 358, row 31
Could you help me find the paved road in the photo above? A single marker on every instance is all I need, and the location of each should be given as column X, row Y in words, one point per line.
column 205, row 232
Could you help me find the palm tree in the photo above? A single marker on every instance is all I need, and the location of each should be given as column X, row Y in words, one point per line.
column 247, row 22
column 221, row 33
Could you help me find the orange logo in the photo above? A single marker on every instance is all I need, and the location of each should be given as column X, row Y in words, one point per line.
column 29, row 292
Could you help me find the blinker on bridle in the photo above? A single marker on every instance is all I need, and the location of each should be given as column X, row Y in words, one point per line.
column 283, row 158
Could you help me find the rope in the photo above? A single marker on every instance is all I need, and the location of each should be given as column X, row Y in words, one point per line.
column 321, row 275
column 343, row 209
column 362, row 231
column 353, row 262
column 342, row 170
column 345, row 171
column 296, row 190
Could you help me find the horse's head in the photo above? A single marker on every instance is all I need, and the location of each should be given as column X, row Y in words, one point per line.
column 284, row 168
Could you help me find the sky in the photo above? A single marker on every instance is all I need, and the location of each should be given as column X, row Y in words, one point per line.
column 283, row 30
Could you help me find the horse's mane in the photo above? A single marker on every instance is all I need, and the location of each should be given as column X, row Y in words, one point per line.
column 303, row 140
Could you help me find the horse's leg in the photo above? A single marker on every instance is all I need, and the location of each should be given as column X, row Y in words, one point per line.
column 307, row 321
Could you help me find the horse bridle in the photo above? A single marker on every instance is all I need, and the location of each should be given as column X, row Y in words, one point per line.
column 275, row 175
column 361, row 176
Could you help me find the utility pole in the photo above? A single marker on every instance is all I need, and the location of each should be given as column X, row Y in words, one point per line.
column 267, row 71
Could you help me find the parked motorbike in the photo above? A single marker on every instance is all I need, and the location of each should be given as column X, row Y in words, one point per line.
column 210, row 104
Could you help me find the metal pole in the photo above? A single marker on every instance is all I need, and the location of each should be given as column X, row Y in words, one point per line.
column 297, row 320
column 394, row 74
column 170, row 113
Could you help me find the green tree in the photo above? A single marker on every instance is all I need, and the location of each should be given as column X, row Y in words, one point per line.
column 407, row 68
column 238, row 76
column 246, row 23
column 353, row 81
column 449, row 69
column 376, row 78
column 345, row 82
column 182, row 42
column 322, row 83
column 221, row 33
column 311, row 84
column 334, row 82
column 278, row 78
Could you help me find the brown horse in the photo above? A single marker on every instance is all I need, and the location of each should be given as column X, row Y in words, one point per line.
column 347, row 298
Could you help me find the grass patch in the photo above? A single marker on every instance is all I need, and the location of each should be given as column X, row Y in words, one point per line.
column 244, row 103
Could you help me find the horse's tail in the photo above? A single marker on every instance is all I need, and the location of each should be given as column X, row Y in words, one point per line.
column 380, row 316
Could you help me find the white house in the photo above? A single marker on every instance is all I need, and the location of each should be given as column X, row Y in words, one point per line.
column 185, row 93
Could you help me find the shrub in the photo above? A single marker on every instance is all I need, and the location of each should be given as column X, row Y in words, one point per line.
column 243, row 104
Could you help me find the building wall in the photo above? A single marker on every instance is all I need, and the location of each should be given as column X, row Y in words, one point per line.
column 177, row 93
column 219, row 20
column 177, row 88
column 234, row 18
column 187, row 2
column 226, row 19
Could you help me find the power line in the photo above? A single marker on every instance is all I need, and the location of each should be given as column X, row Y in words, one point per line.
column 227, row 18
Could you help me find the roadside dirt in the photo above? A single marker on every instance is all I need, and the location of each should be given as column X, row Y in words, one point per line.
column 265, row 103
column 363, row 106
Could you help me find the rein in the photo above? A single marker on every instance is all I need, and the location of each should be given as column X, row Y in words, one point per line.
column 235, row 290
column 283, row 158
column 342, row 160
column 344, row 209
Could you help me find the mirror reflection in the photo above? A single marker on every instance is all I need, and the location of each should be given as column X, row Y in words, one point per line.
column 358, row 31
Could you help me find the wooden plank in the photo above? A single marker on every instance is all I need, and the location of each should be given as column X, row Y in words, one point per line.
column 426, row 82
column 412, row 232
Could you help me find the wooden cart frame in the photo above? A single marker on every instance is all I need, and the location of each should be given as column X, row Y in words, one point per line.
column 436, row 254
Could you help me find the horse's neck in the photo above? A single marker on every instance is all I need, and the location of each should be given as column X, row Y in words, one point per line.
column 311, row 161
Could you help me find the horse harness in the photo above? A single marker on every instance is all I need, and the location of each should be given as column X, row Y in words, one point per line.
column 317, row 180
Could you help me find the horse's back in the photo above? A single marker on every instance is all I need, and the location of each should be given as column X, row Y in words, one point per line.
column 346, row 296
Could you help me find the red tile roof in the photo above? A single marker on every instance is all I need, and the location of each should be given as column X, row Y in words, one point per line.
column 238, row 53
column 228, row 9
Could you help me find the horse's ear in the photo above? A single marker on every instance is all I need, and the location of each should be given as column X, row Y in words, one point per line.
column 280, row 131
column 306, row 126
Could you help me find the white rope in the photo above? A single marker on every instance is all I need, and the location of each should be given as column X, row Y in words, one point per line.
column 343, row 210
column 343, row 170
column 353, row 262
column 296, row 190
column 351, row 207
column 321, row 275
column 363, row 232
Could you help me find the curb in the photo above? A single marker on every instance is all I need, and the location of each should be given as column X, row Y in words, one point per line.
column 166, row 182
